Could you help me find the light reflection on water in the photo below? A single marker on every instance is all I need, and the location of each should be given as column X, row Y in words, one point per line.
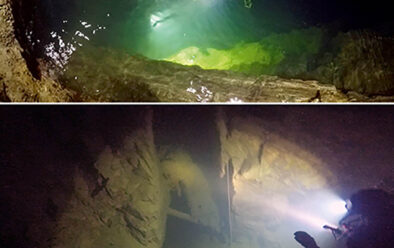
column 235, row 100
column 63, row 45
column 202, row 93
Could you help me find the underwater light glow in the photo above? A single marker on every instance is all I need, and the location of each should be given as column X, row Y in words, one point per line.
column 316, row 211
column 155, row 20
column 308, row 219
column 209, row 3
column 300, row 215
column 338, row 207
column 241, row 55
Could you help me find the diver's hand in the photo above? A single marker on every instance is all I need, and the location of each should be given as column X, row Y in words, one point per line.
column 305, row 240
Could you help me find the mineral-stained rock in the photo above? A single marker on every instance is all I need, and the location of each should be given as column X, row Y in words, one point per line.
column 16, row 81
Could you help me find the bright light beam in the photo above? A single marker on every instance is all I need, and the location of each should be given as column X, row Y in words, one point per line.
column 302, row 216
column 338, row 207
column 308, row 219
column 155, row 20
column 305, row 217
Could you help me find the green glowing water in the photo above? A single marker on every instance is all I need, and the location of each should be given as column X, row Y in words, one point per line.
column 162, row 29
column 253, row 58
column 268, row 38
column 214, row 34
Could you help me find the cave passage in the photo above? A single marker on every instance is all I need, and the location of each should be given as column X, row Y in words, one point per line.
column 88, row 176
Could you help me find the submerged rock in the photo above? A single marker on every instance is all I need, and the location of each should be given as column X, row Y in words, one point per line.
column 364, row 63
column 104, row 74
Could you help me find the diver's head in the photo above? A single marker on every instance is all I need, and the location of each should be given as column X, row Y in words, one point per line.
column 369, row 221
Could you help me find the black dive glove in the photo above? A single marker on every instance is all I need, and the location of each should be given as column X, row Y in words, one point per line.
column 305, row 240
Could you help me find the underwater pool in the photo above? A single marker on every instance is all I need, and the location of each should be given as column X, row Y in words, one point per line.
column 333, row 42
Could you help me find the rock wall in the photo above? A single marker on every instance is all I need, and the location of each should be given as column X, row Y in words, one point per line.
column 363, row 63
column 127, row 205
column 17, row 83
column 61, row 187
column 266, row 171
column 139, row 79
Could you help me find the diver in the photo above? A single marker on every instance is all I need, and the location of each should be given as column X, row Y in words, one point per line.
column 159, row 21
column 369, row 222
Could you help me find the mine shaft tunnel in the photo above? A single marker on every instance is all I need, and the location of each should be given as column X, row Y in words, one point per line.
column 117, row 177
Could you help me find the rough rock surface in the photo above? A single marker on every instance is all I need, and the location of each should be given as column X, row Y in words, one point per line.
column 363, row 63
column 128, row 205
column 139, row 79
column 118, row 198
column 17, row 84
column 102, row 74
column 265, row 169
